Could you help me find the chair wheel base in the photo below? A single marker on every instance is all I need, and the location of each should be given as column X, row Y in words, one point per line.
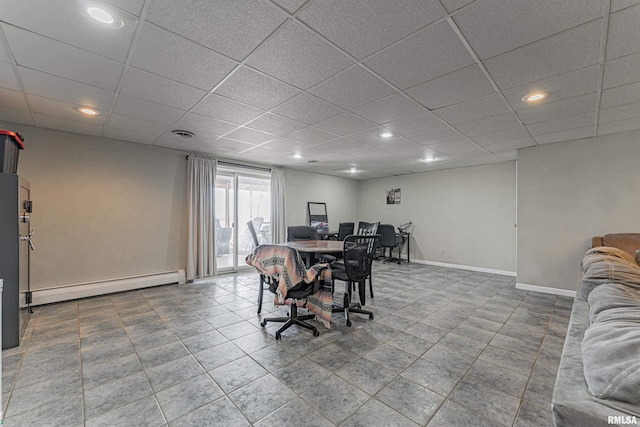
column 348, row 323
column 278, row 335
column 263, row 323
column 371, row 316
column 316, row 333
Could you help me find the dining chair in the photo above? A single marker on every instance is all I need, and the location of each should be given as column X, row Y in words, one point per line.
column 391, row 240
column 256, row 243
column 345, row 229
column 358, row 257
column 367, row 228
column 301, row 232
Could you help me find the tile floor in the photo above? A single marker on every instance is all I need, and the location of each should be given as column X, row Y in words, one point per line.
column 446, row 347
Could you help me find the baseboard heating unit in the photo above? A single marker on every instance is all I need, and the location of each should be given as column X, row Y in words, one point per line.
column 90, row 289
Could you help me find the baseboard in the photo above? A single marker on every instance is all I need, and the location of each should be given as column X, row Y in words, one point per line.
column 546, row 290
column 91, row 289
column 466, row 267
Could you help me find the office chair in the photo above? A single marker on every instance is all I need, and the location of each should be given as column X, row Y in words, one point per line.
column 345, row 229
column 301, row 232
column 256, row 243
column 368, row 228
column 358, row 257
column 389, row 240
column 288, row 278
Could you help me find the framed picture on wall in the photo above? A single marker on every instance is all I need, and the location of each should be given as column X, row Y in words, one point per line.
column 393, row 196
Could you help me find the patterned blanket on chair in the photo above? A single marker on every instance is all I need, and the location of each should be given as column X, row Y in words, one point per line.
column 283, row 269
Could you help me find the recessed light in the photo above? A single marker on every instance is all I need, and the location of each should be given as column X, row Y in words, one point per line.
column 297, row 156
column 88, row 111
column 385, row 134
column 534, row 96
column 353, row 170
column 100, row 15
column 429, row 159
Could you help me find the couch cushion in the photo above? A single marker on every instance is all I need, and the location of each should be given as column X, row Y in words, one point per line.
column 628, row 242
column 611, row 346
column 605, row 265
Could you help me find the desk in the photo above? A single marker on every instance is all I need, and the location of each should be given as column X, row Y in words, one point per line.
column 406, row 239
column 312, row 247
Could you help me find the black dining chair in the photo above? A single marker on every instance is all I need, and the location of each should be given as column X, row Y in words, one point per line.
column 256, row 243
column 367, row 228
column 345, row 229
column 358, row 257
column 301, row 232
column 390, row 240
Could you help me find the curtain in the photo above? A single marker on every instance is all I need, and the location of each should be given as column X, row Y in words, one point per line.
column 278, row 207
column 201, row 183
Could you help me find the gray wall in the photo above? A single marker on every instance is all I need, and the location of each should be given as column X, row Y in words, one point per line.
column 468, row 212
column 568, row 193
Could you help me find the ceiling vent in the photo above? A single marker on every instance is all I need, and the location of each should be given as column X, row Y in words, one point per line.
column 313, row 161
column 183, row 133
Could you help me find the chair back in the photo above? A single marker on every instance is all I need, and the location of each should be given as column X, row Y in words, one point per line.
column 252, row 230
column 358, row 255
column 301, row 232
column 367, row 228
column 388, row 233
column 345, row 229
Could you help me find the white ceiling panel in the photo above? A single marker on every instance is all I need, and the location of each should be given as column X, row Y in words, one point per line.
column 415, row 125
column 459, row 86
column 72, row 126
column 13, row 99
column 231, row 145
column 431, row 53
column 256, row 89
column 299, row 57
column 167, row 54
column 554, row 110
column 249, row 136
column 314, row 152
column 489, row 125
column 50, row 86
column 372, row 153
column 566, row 123
column 16, row 116
column 476, row 109
column 341, row 144
column 127, row 135
column 401, row 146
column 371, row 136
column 568, row 85
column 43, row 54
column 4, row 56
column 8, row 79
column 344, row 124
column 567, row 51
column 497, row 26
column 134, row 107
column 507, row 154
column 566, row 135
column 277, row 125
column 198, row 123
column 65, row 110
column 144, row 85
column 258, row 153
column 352, row 88
column 621, row 112
column 178, row 144
column 231, row 27
column 501, row 136
column 338, row 158
column 510, row 145
column 617, row 5
column 284, row 145
column 481, row 159
column 134, row 124
column 290, row 5
column 389, row 109
column 621, row 71
column 214, row 150
column 79, row 30
column 619, row 126
column 453, row 5
column 307, row 109
column 624, row 33
column 132, row 6
column 311, row 135
column 462, row 147
column 362, row 27
column 221, row 108
column 442, row 135
column 620, row 95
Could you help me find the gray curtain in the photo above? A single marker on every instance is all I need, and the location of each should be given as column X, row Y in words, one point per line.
column 201, row 182
column 278, row 207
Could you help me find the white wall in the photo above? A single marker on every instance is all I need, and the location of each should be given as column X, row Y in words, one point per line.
column 468, row 212
column 103, row 209
column 568, row 193
column 340, row 195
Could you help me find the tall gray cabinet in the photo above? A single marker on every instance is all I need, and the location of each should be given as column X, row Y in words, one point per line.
column 15, row 248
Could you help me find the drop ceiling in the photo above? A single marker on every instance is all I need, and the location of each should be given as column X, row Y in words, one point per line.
column 261, row 81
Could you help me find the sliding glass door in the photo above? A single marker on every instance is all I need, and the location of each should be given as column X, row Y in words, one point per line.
column 240, row 197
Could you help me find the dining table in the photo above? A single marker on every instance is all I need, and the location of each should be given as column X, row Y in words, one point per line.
column 311, row 248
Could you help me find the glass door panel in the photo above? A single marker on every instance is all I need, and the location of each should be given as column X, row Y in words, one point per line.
column 254, row 204
column 225, row 221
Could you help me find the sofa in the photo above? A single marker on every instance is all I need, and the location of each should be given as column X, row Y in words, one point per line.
column 598, row 380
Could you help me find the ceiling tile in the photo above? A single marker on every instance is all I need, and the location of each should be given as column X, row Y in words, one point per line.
column 49, row 56
column 258, row 153
column 496, row 26
column 362, row 27
column 167, row 54
column 476, row 109
column 620, row 95
column 389, row 109
column 290, row 5
column 284, row 145
column 624, row 33
column 371, row 153
column 507, row 154
column 371, row 136
column 482, row 159
column 621, row 112
column 344, row 124
column 431, row 53
column 298, row 57
column 66, row 125
column 313, row 152
column 310, row 135
column 177, row 144
column 132, row 6
column 231, row 145
column 619, row 126
column 621, row 71
column 8, row 79
column 16, row 116
column 307, row 109
column 566, row 123
column 13, row 99
column 567, row 51
column 197, row 123
column 249, row 136
column 50, row 86
column 341, row 144
column 566, row 135
column 130, row 106
column 137, row 125
column 214, row 150
column 455, row 148
column 275, row 124
column 144, row 85
column 4, row 56
column 452, row 5
column 127, row 135
column 568, row 85
column 79, row 30
column 352, row 88
column 227, row 110
column 338, row 158
column 501, row 136
column 489, row 125
column 617, row 5
column 510, row 145
column 459, row 86
column 442, row 135
column 254, row 88
column 555, row 110
column 415, row 125
column 401, row 146
column 233, row 27
column 55, row 108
